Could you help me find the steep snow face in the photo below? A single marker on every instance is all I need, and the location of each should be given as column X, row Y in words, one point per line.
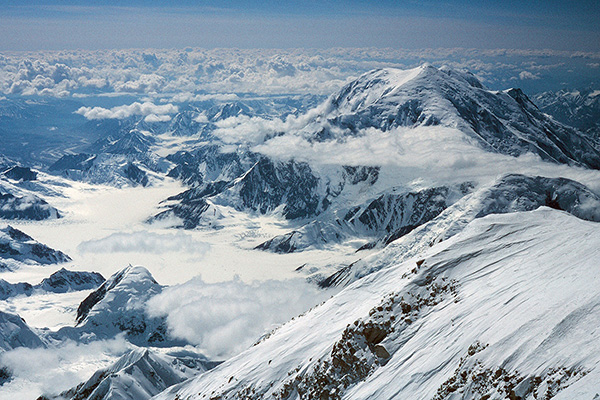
column 506, row 122
column 498, row 311
column 138, row 375
column 509, row 194
column 16, row 246
column 14, row 333
column 118, row 305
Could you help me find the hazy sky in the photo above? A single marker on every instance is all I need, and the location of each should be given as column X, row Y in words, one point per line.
column 72, row 24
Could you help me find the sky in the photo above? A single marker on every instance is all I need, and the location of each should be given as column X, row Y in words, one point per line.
column 76, row 24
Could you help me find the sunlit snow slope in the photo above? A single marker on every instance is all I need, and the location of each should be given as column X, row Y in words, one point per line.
column 509, row 307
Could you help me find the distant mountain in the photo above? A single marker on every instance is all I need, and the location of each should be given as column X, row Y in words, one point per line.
column 16, row 203
column 210, row 164
column 61, row 281
column 387, row 217
column 19, row 173
column 130, row 169
column 578, row 108
column 20, row 247
column 14, row 332
column 138, row 375
column 118, row 305
column 501, row 310
column 293, row 189
column 506, row 122
column 129, row 142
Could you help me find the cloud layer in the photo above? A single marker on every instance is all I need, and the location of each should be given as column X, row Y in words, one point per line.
column 152, row 112
column 227, row 317
column 57, row 368
column 145, row 242
column 199, row 74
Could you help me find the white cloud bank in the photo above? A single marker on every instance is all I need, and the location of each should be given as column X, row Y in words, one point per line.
column 145, row 242
column 189, row 74
column 151, row 111
column 227, row 317
column 55, row 369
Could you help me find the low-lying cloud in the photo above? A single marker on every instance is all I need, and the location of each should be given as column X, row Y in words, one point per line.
column 151, row 111
column 145, row 242
column 53, row 370
column 434, row 154
column 226, row 318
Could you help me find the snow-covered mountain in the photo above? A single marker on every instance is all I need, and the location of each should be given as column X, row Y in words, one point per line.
column 61, row 281
column 19, row 173
column 476, row 278
column 578, row 108
column 138, row 375
column 385, row 218
column 115, row 169
column 500, row 310
column 14, row 332
column 293, row 189
column 16, row 203
column 509, row 194
column 117, row 306
column 16, row 246
column 506, row 122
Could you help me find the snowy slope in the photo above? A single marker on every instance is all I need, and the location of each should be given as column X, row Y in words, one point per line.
column 17, row 247
column 14, row 333
column 138, row 375
column 511, row 193
column 509, row 307
column 384, row 218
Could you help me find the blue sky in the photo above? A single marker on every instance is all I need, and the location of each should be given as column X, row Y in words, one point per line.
column 55, row 25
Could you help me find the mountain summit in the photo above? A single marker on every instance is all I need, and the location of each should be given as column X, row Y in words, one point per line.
column 506, row 121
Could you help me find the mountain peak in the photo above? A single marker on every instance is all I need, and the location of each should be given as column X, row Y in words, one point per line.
column 505, row 122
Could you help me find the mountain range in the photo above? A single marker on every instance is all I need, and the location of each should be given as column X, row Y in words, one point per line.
column 459, row 256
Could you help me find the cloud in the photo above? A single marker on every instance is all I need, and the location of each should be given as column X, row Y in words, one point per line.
column 528, row 75
column 146, row 242
column 180, row 73
column 190, row 97
column 227, row 317
column 55, row 369
column 157, row 118
column 147, row 109
column 439, row 155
